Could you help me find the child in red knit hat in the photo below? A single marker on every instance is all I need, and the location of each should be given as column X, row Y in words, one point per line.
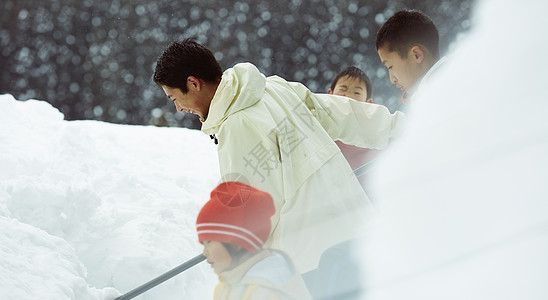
column 233, row 227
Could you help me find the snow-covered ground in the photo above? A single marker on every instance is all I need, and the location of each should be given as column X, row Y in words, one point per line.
column 87, row 205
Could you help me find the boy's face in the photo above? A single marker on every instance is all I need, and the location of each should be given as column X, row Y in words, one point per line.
column 217, row 256
column 194, row 101
column 405, row 73
column 350, row 87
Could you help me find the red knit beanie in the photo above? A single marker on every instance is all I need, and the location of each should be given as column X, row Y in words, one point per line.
column 236, row 214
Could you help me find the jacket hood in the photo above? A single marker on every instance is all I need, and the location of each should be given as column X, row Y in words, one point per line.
column 241, row 87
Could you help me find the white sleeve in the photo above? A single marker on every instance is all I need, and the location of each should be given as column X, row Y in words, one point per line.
column 356, row 123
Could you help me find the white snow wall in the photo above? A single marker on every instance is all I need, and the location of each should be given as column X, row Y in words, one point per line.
column 88, row 208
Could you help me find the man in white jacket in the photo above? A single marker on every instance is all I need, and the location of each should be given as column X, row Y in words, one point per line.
column 278, row 136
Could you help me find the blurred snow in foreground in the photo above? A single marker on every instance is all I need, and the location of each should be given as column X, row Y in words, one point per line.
column 464, row 199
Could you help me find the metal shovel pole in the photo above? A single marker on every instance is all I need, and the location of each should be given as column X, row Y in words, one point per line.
column 156, row 281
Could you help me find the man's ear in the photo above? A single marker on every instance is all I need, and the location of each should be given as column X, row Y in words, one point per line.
column 417, row 54
column 329, row 91
column 193, row 83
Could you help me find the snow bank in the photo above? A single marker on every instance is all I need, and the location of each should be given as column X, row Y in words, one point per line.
column 464, row 210
column 37, row 265
column 89, row 209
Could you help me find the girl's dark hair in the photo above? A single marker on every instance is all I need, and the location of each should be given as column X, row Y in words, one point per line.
column 186, row 58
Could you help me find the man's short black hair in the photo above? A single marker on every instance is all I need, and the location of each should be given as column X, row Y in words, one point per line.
column 186, row 58
column 407, row 28
column 354, row 72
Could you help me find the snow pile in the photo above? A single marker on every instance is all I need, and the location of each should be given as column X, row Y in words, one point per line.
column 89, row 210
column 464, row 195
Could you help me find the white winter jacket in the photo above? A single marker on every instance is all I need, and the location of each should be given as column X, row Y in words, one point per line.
column 267, row 275
column 278, row 137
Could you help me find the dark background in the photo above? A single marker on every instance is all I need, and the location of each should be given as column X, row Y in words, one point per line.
column 95, row 59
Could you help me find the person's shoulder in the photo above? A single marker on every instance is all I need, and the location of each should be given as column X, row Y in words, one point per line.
column 244, row 73
column 245, row 68
column 275, row 267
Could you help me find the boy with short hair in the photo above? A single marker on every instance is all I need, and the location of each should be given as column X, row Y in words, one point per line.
column 408, row 45
column 352, row 82
column 233, row 227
